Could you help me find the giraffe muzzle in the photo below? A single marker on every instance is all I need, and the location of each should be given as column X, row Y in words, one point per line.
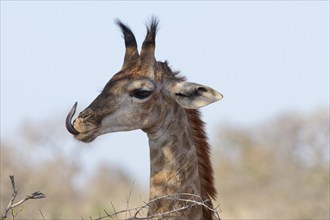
column 68, row 120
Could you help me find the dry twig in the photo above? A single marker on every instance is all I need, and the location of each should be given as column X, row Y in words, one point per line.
column 128, row 198
column 11, row 205
column 194, row 200
column 43, row 217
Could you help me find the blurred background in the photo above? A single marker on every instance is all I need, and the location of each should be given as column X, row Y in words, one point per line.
column 269, row 135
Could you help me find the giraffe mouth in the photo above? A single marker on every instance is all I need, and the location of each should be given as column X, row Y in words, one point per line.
column 84, row 127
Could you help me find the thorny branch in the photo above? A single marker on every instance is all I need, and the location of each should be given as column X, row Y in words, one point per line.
column 194, row 200
column 11, row 205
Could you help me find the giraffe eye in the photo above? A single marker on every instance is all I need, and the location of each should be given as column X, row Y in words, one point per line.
column 140, row 94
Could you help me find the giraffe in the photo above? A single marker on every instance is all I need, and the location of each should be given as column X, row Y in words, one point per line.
column 146, row 94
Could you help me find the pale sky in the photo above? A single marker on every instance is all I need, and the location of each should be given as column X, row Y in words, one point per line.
column 265, row 57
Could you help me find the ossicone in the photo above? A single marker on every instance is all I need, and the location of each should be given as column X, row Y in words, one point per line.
column 149, row 43
column 131, row 53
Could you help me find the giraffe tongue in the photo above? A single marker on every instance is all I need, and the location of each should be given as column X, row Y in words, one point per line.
column 69, row 117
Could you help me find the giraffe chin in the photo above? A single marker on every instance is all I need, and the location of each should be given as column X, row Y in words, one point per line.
column 87, row 137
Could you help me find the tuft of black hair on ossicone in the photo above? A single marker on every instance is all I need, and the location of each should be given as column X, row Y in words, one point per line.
column 128, row 35
column 151, row 32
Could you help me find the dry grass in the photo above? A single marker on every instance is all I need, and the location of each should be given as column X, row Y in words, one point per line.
column 140, row 212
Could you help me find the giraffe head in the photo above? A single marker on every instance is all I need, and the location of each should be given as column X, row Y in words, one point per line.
column 139, row 95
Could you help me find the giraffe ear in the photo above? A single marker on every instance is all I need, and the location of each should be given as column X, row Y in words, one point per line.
column 192, row 96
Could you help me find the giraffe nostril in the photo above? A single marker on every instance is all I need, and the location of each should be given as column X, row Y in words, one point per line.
column 88, row 117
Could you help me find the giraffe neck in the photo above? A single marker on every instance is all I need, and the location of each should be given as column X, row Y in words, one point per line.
column 174, row 164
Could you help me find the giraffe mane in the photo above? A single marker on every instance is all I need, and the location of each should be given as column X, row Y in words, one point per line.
column 199, row 137
column 200, row 140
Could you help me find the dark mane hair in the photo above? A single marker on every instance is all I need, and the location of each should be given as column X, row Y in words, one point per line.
column 200, row 140
column 199, row 137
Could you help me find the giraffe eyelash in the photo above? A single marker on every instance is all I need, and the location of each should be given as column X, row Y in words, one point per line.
column 140, row 94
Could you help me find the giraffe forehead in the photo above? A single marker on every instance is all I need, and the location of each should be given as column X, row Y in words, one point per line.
column 131, row 81
column 156, row 72
column 141, row 83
